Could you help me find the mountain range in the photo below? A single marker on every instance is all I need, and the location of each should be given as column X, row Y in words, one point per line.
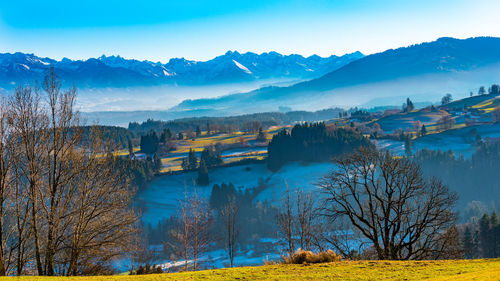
column 424, row 72
column 115, row 71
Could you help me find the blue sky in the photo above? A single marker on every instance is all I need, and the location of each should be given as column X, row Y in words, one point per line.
column 195, row 29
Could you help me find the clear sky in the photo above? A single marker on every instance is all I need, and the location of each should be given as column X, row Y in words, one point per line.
column 201, row 29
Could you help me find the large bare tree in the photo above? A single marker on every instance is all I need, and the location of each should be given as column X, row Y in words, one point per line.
column 389, row 201
column 229, row 216
column 68, row 200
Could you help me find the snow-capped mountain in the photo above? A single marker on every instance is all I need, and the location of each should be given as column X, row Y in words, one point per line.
column 115, row 71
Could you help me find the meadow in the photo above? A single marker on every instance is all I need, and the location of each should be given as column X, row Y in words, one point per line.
column 343, row 270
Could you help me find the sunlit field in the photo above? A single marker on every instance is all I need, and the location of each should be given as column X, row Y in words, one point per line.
column 344, row 270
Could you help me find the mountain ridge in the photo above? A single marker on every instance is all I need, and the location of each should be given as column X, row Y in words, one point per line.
column 448, row 58
column 115, row 71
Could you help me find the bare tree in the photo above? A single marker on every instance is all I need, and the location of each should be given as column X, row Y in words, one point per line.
column 101, row 223
column 305, row 219
column 229, row 215
column 191, row 238
column 388, row 200
column 201, row 223
column 6, row 191
column 69, row 200
column 29, row 123
column 286, row 224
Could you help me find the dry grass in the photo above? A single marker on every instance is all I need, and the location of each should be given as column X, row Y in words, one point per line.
column 344, row 270
column 307, row 257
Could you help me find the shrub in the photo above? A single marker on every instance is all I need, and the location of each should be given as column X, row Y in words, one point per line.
column 304, row 257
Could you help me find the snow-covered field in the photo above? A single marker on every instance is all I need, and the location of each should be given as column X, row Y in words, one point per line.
column 161, row 198
column 461, row 141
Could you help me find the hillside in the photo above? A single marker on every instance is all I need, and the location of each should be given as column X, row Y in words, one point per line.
column 345, row 270
column 425, row 71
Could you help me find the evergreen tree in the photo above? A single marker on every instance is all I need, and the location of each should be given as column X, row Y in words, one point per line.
column 149, row 143
column 446, row 99
column 157, row 163
column 494, row 235
column 185, row 164
column 407, row 144
column 408, row 107
column 481, row 91
column 484, row 236
column 202, row 174
column 468, row 243
column 130, row 147
column 192, row 160
column 311, row 143
column 211, row 156
column 261, row 137
column 495, row 89
column 198, row 131
column 423, row 131
column 180, row 136
column 163, row 136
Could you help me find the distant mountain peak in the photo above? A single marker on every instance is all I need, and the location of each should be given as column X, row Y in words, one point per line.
column 116, row 71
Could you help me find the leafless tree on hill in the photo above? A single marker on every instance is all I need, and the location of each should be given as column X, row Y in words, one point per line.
column 389, row 201
column 229, row 215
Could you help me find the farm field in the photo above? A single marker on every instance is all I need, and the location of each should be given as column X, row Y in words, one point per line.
column 245, row 147
column 344, row 270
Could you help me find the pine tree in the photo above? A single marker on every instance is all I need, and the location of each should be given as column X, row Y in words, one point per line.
column 484, row 236
column 468, row 243
column 423, row 131
column 157, row 163
column 261, row 137
column 185, row 164
column 495, row 235
column 409, row 105
column 192, row 160
column 408, row 145
column 163, row 136
column 203, row 174
column 198, row 131
column 130, row 147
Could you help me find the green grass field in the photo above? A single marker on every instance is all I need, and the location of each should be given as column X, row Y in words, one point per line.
column 173, row 161
column 344, row 270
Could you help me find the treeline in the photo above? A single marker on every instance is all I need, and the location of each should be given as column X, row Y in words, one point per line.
column 311, row 143
column 481, row 238
column 65, row 203
column 245, row 123
column 474, row 179
column 210, row 158
column 118, row 136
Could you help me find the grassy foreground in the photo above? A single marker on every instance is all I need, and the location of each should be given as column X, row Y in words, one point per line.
column 345, row 270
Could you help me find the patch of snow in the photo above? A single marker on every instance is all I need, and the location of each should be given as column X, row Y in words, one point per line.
column 44, row 62
column 242, row 67
column 25, row 66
